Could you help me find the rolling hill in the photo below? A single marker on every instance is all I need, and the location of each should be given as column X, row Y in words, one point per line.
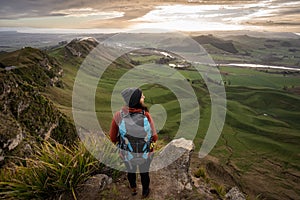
column 258, row 147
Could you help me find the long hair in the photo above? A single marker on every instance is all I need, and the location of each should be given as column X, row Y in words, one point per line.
column 141, row 106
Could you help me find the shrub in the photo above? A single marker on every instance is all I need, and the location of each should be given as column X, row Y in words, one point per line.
column 220, row 190
column 201, row 172
column 54, row 169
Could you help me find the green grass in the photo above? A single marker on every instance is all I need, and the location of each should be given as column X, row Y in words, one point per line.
column 262, row 123
column 251, row 94
column 262, row 119
column 220, row 190
column 145, row 59
column 259, row 78
column 201, row 172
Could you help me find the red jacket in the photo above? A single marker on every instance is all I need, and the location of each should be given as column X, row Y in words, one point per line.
column 114, row 128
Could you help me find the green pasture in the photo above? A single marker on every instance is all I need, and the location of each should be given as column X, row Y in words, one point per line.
column 249, row 77
column 262, row 120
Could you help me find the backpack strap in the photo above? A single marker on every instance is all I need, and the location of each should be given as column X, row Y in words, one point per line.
column 124, row 143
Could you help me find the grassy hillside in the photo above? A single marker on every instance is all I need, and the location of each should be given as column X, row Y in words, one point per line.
column 259, row 145
column 249, row 49
column 27, row 116
column 260, row 139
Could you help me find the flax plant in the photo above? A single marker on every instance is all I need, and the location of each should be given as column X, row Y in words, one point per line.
column 54, row 169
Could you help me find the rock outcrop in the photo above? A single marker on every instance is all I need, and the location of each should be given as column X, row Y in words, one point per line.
column 24, row 110
column 175, row 178
column 80, row 47
column 93, row 186
column 176, row 181
column 171, row 182
column 34, row 66
column 235, row 194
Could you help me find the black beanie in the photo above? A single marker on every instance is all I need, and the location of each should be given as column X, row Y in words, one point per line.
column 132, row 96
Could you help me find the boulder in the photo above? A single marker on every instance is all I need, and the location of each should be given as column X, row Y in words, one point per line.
column 172, row 177
column 235, row 194
column 93, row 186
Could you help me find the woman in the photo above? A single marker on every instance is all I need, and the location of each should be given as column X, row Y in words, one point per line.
column 134, row 100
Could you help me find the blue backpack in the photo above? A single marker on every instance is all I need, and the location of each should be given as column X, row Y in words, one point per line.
column 135, row 136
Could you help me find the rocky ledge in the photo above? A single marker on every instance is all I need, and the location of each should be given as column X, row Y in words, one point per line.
column 174, row 181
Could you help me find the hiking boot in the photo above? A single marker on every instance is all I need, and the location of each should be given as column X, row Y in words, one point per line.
column 133, row 191
column 146, row 193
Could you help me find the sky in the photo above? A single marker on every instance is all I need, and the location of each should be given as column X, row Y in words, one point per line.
column 182, row 15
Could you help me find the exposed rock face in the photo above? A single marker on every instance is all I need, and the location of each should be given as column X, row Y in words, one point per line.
column 34, row 66
column 172, row 182
column 81, row 47
column 93, row 186
column 235, row 194
column 24, row 111
column 13, row 143
column 175, row 181
column 179, row 169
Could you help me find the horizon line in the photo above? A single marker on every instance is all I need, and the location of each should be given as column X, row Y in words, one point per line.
column 114, row 30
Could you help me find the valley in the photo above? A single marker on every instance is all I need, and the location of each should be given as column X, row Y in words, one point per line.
column 259, row 144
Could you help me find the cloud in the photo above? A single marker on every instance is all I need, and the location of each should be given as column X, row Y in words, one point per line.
column 221, row 17
column 13, row 9
column 105, row 13
column 85, row 12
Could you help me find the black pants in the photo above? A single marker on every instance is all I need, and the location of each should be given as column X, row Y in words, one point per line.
column 145, row 178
